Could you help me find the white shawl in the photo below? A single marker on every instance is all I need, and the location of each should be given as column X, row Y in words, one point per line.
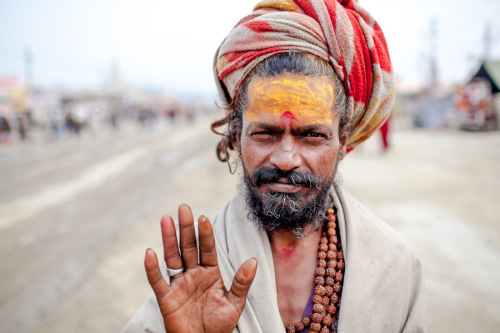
column 383, row 284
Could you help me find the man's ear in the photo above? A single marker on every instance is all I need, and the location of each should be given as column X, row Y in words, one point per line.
column 344, row 135
column 342, row 151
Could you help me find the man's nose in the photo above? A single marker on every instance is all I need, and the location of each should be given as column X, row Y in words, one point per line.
column 286, row 156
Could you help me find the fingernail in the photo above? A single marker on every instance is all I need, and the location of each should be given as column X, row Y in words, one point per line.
column 256, row 261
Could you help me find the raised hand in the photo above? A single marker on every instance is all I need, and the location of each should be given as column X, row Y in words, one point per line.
column 196, row 299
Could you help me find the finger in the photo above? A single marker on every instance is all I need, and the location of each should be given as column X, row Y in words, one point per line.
column 189, row 249
column 156, row 280
column 170, row 247
column 241, row 283
column 208, row 254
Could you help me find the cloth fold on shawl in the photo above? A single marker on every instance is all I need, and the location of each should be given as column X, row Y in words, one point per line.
column 383, row 285
column 341, row 33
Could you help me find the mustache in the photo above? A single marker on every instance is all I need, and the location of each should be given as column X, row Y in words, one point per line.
column 266, row 175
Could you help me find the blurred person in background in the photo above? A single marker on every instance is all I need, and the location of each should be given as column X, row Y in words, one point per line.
column 384, row 134
column 303, row 82
column 23, row 124
column 4, row 128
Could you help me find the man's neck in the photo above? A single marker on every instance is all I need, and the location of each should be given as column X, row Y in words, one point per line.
column 285, row 245
column 295, row 261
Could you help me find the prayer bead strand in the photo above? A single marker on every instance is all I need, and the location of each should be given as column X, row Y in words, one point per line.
column 328, row 281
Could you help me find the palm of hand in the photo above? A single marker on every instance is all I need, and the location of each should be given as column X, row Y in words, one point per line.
column 196, row 300
column 199, row 303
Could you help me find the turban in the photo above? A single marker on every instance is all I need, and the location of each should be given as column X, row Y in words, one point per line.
column 340, row 32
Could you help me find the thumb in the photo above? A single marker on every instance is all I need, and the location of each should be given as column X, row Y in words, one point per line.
column 241, row 283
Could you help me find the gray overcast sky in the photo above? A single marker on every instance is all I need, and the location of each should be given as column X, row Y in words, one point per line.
column 170, row 44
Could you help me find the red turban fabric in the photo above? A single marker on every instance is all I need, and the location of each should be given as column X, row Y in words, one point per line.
column 340, row 32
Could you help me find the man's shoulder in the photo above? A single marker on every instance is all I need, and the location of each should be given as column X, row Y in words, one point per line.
column 383, row 274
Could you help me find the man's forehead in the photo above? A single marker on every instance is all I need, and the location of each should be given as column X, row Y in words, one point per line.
column 294, row 95
column 292, row 82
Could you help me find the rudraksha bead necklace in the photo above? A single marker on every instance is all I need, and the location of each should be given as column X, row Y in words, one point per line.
column 328, row 281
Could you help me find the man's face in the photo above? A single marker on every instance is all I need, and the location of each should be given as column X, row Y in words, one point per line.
column 289, row 148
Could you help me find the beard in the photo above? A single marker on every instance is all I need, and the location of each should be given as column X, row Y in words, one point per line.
column 286, row 211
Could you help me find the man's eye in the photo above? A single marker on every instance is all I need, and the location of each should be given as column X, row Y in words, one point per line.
column 314, row 135
column 263, row 135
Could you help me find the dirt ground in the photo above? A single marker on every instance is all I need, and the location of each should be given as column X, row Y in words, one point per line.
column 76, row 218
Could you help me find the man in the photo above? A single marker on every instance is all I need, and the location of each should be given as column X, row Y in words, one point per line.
column 304, row 82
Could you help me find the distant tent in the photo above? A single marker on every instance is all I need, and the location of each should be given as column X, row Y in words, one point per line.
column 489, row 70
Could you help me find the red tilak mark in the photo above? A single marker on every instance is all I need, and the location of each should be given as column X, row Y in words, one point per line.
column 287, row 254
column 287, row 118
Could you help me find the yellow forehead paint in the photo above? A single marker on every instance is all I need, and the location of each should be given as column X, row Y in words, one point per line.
column 290, row 98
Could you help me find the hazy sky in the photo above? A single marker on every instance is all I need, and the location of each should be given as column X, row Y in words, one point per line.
column 170, row 44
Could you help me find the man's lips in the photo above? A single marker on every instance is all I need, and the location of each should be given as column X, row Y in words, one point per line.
column 283, row 185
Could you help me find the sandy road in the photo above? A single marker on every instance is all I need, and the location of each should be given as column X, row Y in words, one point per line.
column 441, row 190
column 64, row 205
column 76, row 217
